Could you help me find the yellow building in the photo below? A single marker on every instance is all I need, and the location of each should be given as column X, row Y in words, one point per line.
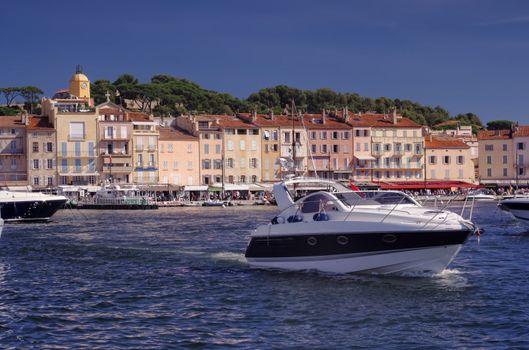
column 269, row 125
column 448, row 159
column 178, row 156
column 75, row 123
column 79, row 84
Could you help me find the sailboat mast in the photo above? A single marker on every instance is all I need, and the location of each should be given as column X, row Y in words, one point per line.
column 293, row 139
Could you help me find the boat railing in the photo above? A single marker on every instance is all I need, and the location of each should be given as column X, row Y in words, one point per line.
column 327, row 205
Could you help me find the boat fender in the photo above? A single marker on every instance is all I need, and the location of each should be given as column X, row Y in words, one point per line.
column 278, row 220
column 321, row 217
column 295, row 218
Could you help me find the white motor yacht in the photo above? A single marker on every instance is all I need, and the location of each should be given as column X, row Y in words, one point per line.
column 517, row 206
column 29, row 206
column 384, row 232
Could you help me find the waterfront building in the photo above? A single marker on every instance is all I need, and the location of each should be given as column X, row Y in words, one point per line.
column 41, row 153
column 464, row 133
column 208, row 130
column 496, row 157
column 330, row 146
column 448, row 159
column 241, row 149
column 270, row 128
column 145, row 136
column 521, row 154
column 75, row 122
column 293, row 133
column 178, row 157
column 504, row 156
column 114, row 144
column 13, row 155
column 363, row 159
column 397, row 145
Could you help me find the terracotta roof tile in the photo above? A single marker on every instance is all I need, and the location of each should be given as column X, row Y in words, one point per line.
column 175, row 134
column 494, row 134
column 11, row 121
column 436, row 142
column 38, row 122
column 521, row 131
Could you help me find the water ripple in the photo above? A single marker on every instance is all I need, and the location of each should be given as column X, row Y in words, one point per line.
column 177, row 278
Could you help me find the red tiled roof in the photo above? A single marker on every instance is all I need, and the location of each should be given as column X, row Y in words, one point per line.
column 494, row 134
column 8, row 121
column 381, row 121
column 139, row 117
column 521, row 131
column 437, row 142
column 38, row 122
column 314, row 121
column 175, row 134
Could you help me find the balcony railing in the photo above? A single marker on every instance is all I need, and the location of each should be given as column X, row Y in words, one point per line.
column 376, row 152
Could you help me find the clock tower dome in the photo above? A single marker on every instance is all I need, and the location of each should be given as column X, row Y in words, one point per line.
column 79, row 84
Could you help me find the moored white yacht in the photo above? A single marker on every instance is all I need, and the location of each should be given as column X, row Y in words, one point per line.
column 29, row 206
column 481, row 195
column 382, row 232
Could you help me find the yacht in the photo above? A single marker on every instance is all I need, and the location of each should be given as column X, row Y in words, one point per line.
column 384, row 232
column 481, row 195
column 517, row 206
column 29, row 206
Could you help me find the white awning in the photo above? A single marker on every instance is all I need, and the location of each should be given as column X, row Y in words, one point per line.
column 236, row 187
column 195, row 188
column 366, row 157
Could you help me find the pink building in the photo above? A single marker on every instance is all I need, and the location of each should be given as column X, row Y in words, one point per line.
column 330, row 144
column 178, row 157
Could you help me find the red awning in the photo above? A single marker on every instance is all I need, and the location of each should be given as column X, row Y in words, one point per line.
column 402, row 185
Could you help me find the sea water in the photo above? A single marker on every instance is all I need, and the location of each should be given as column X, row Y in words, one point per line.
column 177, row 278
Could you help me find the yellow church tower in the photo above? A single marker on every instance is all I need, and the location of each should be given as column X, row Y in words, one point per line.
column 79, row 84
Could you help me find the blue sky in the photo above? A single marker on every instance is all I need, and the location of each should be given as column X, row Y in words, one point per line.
column 464, row 55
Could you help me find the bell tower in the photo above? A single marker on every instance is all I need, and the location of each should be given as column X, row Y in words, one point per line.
column 79, row 84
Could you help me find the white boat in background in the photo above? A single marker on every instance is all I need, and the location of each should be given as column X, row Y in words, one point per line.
column 517, row 206
column 384, row 232
column 481, row 195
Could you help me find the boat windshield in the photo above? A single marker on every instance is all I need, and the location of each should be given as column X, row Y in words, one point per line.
column 374, row 198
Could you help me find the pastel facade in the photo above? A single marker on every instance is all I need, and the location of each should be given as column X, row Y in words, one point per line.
column 145, row 136
column 504, row 156
column 115, row 144
column 397, row 145
column 209, row 133
column 269, row 125
column 178, row 157
column 241, row 149
column 75, row 123
column 41, row 147
column 330, row 146
column 448, row 158
column 521, row 153
column 13, row 152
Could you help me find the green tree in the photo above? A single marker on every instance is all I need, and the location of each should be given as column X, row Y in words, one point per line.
column 99, row 89
column 10, row 93
column 31, row 94
column 499, row 124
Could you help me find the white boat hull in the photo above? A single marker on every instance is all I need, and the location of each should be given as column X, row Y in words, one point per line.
column 418, row 260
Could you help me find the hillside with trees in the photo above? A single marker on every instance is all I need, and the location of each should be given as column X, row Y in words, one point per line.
column 165, row 95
